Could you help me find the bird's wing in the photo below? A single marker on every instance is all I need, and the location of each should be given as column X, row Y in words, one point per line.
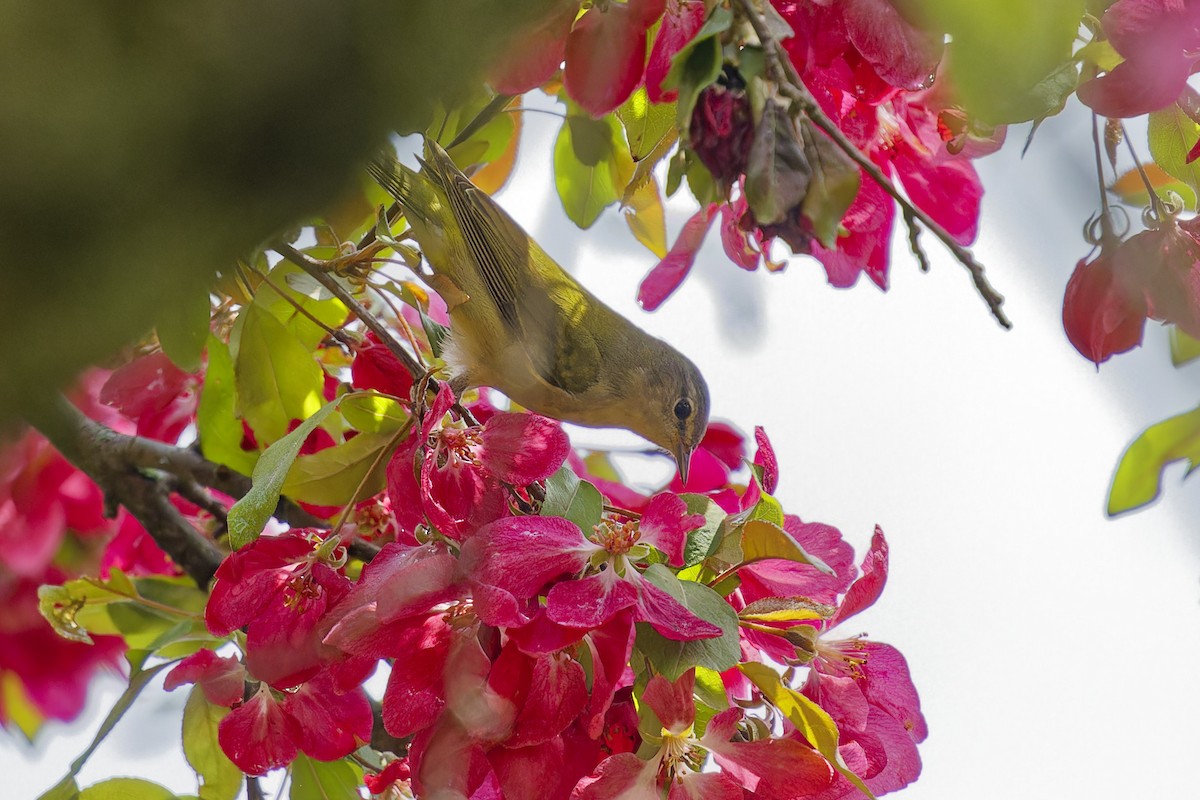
column 561, row 348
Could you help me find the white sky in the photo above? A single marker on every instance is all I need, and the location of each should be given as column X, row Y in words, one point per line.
column 1046, row 641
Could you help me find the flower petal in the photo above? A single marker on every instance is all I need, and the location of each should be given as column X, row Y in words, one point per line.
column 523, row 448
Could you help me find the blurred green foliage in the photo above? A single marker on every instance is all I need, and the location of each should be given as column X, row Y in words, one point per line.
column 147, row 145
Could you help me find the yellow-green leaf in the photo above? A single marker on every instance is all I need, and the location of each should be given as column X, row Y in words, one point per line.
column 276, row 376
column 646, row 124
column 372, row 412
column 813, row 722
column 126, row 789
column 1183, row 347
column 591, row 166
column 324, row 780
column 785, row 609
column 217, row 426
column 762, row 540
column 1172, row 134
column 250, row 514
column 291, row 289
column 1139, row 472
column 644, row 215
column 219, row 778
column 329, row 477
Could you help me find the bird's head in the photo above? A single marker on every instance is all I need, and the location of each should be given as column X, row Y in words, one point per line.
column 675, row 410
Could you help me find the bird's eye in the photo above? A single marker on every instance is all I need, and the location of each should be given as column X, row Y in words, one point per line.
column 683, row 409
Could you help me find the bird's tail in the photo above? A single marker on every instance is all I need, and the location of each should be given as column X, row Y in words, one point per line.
column 413, row 190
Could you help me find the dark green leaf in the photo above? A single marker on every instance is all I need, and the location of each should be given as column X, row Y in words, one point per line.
column 324, row 780
column 778, row 169
column 182, row 327
column 697, row 64
column 219, row 778
column 571, row 498
column 250, row 514
column 673, row 658
column 1139, row 473
column 701, row 541
column 833, row 187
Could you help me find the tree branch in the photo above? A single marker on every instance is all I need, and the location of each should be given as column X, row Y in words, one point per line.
column 101, row 454
column 783, row 72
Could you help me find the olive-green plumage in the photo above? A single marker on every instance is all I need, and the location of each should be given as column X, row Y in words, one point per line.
column 521, row 324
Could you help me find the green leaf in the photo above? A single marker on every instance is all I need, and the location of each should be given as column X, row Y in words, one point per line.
column 1183, row 347
column 1139, row 472
column 645, row 217
column 985, row 33
column 289, row 287
column 700, row 542
column 1172, row 134
column 182, row 327
column 250, row 514
column 331, row 476
column 697, row 65
column 373, row 412
column 126, row 789
column 591, row 165
column 778, row 169
column 277, row 378
column 219, row 778
column 833, row 186
column 324, row 780
column 646, row 124
column 217, row 425
column 66, row 789
column 767, row 509
column 762, row 540
column 673, row 658
column 571, row 498
column 809, row 718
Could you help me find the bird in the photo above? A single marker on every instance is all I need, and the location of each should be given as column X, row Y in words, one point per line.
column 521, row 324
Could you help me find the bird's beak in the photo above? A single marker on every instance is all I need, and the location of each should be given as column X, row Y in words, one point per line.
column 683, row 460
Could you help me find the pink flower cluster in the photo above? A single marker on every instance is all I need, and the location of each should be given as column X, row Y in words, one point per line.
column 872, row 72
column 53, row 527
column 516, row 641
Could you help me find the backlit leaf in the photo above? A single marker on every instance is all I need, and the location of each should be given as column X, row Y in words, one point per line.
column 1139, row 472
column 126, row 789
column 219, row 778
column 591, row 166
column 644, row 215
column 372, row 412
column 288, row 287
column 324, row 780
column 217, row 426
column 1183, row 347
column 276, row 376
column 646, row 124
column 1172, row 134
column 250, row 514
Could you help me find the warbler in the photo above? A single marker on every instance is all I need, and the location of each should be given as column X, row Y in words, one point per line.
column 521, row 324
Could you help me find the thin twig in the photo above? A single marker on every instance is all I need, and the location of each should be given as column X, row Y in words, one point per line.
column 791, row 86
column 316, row 269
column 914, row 244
